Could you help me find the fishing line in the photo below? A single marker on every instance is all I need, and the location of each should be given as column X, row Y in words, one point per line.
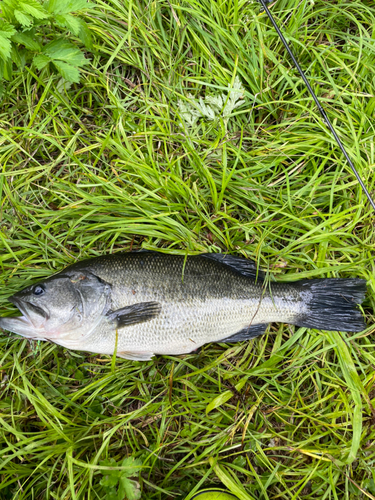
column 322, row 112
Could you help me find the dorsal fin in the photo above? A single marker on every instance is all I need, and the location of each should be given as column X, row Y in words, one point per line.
column 242, row 266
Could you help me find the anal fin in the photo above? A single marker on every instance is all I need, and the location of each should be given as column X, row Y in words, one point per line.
column 247, row 333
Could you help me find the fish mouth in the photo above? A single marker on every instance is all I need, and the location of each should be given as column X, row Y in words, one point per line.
column 24, row 325
column 21, row 325
column 30, row 323
column 27, row 307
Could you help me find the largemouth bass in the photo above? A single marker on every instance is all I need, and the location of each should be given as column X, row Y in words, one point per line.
column 143, row 303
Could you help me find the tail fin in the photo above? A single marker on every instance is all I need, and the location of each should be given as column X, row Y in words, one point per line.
column 331, row 304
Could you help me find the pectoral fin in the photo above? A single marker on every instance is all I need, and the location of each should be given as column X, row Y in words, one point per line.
column 136, row 313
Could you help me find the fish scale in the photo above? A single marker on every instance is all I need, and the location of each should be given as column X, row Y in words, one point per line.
column 200, row 300
column 154, row 303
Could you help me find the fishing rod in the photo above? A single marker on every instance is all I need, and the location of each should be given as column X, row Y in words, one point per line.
column 322, row 112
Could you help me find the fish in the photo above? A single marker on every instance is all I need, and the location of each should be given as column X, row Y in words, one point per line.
column 139, row 304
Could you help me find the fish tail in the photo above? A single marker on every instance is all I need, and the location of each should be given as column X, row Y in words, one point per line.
column 331, row 304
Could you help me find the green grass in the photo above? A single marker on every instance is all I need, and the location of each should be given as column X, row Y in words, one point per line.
column 110, row 164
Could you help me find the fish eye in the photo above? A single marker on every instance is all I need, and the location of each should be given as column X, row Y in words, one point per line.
column 38, row 290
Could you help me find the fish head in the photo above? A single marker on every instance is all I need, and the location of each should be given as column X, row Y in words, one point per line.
column 65, row 306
